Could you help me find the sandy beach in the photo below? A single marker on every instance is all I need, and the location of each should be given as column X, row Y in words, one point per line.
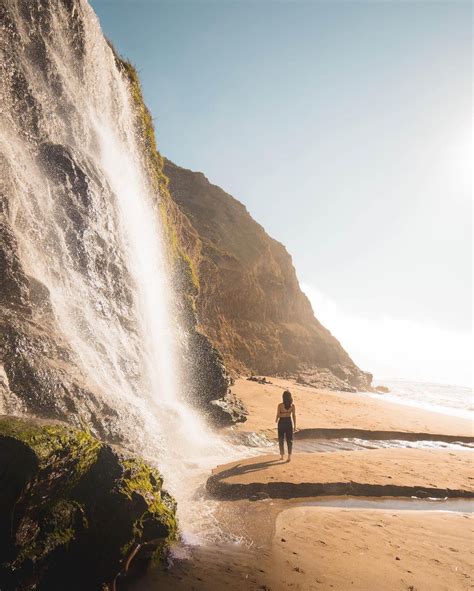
column 288, row 542
column 338, row 410
column 366, row 550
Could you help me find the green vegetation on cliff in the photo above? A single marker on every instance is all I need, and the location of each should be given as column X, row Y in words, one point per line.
column 155, row 165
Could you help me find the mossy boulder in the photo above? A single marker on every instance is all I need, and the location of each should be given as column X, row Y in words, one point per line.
column 73, row 509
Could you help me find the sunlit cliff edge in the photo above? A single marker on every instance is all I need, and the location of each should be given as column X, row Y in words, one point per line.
column 249, row 302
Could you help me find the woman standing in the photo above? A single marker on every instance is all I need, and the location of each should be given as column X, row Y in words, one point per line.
column 285, row 411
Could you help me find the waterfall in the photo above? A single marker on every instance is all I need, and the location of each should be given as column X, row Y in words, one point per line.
column 87, row 226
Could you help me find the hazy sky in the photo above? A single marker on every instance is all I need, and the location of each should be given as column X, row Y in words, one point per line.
column 345, row 128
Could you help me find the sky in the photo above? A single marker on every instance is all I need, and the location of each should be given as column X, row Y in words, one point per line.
column 346, row 130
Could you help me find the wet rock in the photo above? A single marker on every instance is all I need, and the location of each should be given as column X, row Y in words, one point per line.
column 13, row 280
column 351, row 375
column 72, row 509
column 382, row 389
column 422, row 494
column 42, row 377
column 260, row 496
column 228, row 410
column 207, row 376
column 262, row 380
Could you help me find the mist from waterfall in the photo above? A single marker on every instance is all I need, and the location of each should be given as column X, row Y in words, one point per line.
column 93, row 236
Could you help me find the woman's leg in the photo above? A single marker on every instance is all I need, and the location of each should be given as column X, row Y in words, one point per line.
column 289, row 440
column 281, row 438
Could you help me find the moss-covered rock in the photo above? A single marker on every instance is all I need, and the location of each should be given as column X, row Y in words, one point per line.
column 72, row 509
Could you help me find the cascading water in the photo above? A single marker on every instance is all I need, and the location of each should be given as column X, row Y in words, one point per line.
column 87, row 228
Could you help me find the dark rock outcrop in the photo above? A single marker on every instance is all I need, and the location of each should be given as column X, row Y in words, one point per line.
column 40, row 373
column 249, row 301
column 289, row 490
column 42, row 377
column 228, row 409
column 73, row 509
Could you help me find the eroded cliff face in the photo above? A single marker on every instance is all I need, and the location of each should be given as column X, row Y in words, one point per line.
column 249, row 302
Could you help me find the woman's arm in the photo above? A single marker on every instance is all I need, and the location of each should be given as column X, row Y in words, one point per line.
column 293, row 412
column 278, row 414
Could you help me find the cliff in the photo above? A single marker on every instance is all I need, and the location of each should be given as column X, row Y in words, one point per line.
column 249, row 302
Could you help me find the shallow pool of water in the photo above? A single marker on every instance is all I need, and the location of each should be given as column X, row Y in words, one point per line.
column 357, row 444
column 263, row 444
column 393, row 504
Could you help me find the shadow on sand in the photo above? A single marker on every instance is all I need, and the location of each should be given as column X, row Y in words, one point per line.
column 239, row 469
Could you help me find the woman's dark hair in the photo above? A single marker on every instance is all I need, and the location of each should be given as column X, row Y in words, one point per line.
column 287, row 399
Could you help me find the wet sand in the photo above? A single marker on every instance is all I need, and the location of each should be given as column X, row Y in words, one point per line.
column 367, row 550
column 291, row 547
column 379, row 472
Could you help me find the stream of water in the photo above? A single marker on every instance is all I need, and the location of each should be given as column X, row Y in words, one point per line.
column 393, row 504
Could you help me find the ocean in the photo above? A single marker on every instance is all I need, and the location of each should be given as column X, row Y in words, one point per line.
column 444, row 398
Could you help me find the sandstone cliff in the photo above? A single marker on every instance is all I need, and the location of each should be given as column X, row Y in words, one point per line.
column 249, row 303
